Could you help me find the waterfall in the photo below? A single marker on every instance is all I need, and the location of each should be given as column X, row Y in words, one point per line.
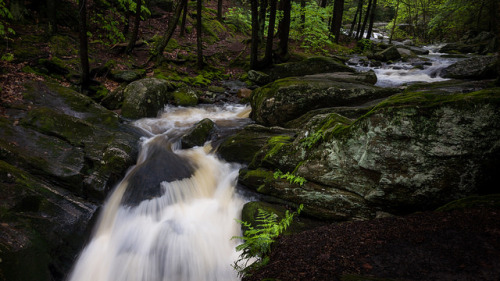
column 173, row 215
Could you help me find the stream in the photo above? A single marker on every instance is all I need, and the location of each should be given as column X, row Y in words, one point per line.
column 424, row 68
column 173, row 215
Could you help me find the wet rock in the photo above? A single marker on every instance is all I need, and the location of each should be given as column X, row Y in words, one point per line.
column 287, row 99
column 258, row 77
column 389, row 54
column 185, row 97
column 145, row 97
column 58, row 160
column 477, row 68
column 482, row 43
column 199, row 134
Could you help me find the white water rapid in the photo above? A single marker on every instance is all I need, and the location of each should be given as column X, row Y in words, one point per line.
column 428, row 69
column 170, row 226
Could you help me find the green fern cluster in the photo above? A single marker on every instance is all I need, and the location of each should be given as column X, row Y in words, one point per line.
column 257, row 240
column 290, row 177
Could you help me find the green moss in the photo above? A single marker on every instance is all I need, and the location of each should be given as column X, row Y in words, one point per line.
column 490, row 201
column 275, row 144
column 185, row 97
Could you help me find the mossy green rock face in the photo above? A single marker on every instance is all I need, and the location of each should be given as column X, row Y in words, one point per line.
column 127, row 75
column 389, row 54
column 310, row 66
column 145, row 97
column 243, row 146
column 61, row 155
column 413, row 151
column 289, row 98
column 185, row 97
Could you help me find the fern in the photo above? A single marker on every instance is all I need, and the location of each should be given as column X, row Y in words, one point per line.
column 290, row 177
column 257, row 240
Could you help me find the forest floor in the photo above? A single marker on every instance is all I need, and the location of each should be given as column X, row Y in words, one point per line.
column 452, row 245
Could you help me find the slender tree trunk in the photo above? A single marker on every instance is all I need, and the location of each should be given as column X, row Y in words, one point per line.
column 219, row 10
column 137, row 23
column 126, row 25
column 84, row 52
column 199, row 42
column 254, row 48
column 395, row 22
column 284, row 30
column 262, row 19
column 365, row 20
column 51, row 11
column 184, row 14
column 268, row 57
column 358, row 30
column 158, row 55
column 353, row 24
column 323, row 3
column 372, row 19
column 338, row 12
column 302, row 13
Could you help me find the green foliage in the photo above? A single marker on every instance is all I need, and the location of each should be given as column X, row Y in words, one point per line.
column 314, row 33
column 257, row 240
column 240, row 19
column 312, row 139
column 5, row 16
column 365, row 45
column 290, row 177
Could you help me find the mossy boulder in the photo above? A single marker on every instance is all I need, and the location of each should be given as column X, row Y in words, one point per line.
column 309, row 66
column 127, row 75
column 199, row 134
column 245, row 144
column 185, row 97
column 146, row 97
column 389, row 54
column 289, row 98
column 414, row 151
column 58, row 159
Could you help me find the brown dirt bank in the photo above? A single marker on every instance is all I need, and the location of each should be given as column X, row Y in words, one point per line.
column 454, row 245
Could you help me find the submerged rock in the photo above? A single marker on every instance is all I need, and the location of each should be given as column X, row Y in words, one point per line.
column 199, row 134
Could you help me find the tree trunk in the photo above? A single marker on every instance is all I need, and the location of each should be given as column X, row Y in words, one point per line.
column 158, row 54
column 372, row 19
column 126, row 25
column 184, row 14
column 219, row 10
column 365, row 20
column 84, row 52
column 338, row 12
column 262, row 19
column 199, row 43
column 284, row 30
column 254, row 48
column 323, row 3
column 353, row 24
column 395, row 22
column 268, row 57
column 137, row 22
column 360, row 17
column 302, row 13
column 51, row 11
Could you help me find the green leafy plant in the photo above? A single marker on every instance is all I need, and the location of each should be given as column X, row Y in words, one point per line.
column 312, row 139
column 313, row 33
column 5, row 16
column 239, row 18
column 290, row 177
column 257, row 239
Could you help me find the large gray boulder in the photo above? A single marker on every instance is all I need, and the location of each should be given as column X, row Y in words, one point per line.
column 146, row 97
column 414, row 151
column 58, row 160
column 477, row 68
column 389, row 54
column 313, row 65
column 286, row 99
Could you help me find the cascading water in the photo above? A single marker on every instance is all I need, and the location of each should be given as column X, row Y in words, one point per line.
column 173, row 215
column 427, row 68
